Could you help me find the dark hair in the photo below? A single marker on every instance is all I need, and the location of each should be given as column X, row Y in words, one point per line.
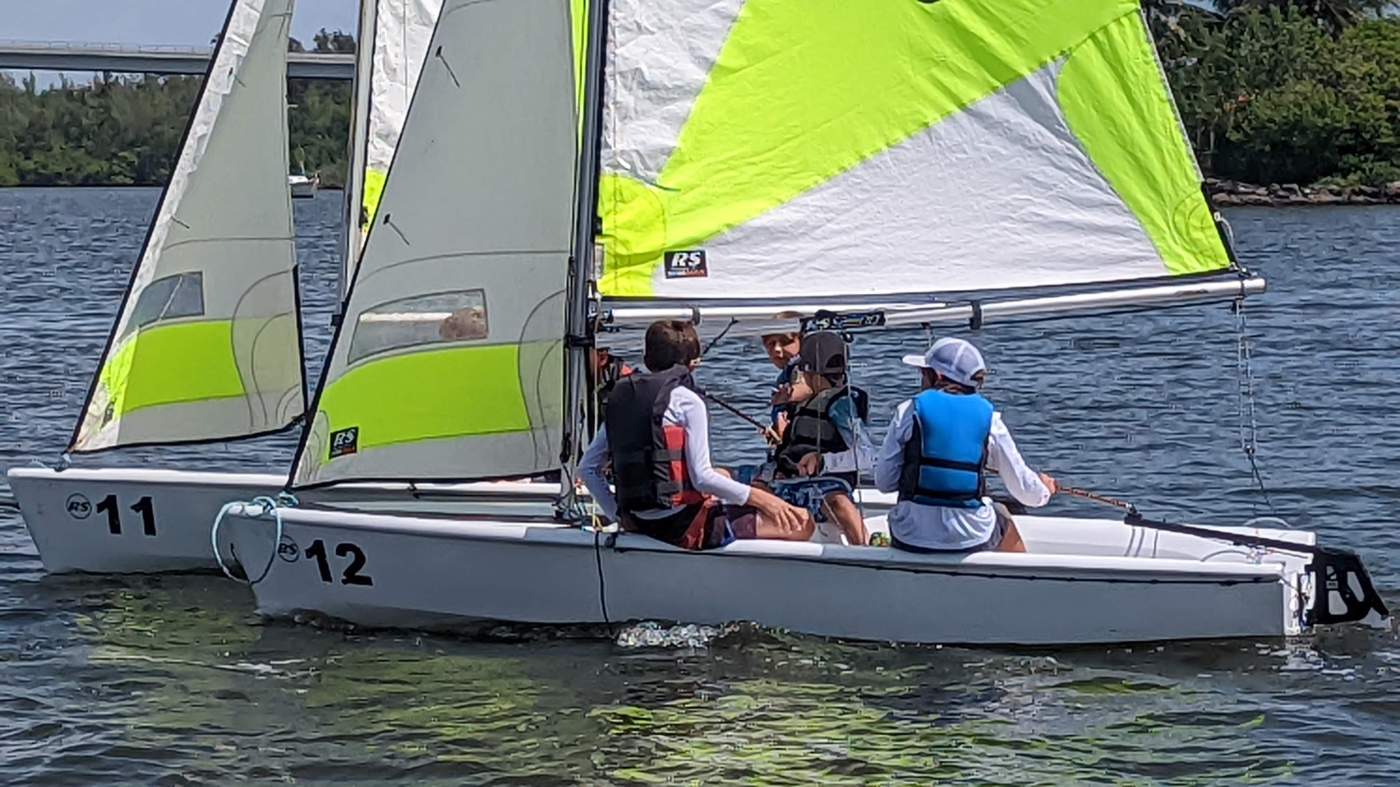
column 670, row 343
column 951, row 386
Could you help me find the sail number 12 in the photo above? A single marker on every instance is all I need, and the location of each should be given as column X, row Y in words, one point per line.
column 351, row 575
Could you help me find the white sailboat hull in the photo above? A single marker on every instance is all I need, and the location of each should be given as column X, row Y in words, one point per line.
column 1130, row 585
column 70, row 524
column 303, row 187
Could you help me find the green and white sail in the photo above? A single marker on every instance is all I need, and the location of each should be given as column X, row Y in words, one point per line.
column 448, row 361
column 779, row 149
column 207, row 345
column 401, row 34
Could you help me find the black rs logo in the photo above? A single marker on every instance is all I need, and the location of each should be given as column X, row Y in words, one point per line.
column 79, row 507
column 686, row 264
column 288, row 550
column 345, row 442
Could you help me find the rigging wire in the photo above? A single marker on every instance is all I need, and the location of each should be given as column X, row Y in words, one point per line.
column 1248, row 419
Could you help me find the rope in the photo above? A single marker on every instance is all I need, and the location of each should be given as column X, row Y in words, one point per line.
column 1098, row 498
column 268, row 506
column 1248, row 420
column 602, row 581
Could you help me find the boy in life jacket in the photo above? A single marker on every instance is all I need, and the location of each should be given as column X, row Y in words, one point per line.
column 826, row 435
column 782, row 349
column 657, row 437
column 939, row 448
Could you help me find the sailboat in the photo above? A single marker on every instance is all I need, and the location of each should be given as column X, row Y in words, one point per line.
column 207, row 345
column 856, row 166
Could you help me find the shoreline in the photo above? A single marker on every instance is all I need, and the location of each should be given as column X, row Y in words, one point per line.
column 1233, row 193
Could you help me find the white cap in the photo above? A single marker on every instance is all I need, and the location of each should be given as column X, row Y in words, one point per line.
column 955, row 359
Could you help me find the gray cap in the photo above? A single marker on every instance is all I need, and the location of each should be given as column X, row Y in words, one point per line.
column 955, row 359
column 823, row 352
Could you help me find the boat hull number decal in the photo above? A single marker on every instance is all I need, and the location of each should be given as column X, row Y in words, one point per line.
column 351, row 574
column 110, row 509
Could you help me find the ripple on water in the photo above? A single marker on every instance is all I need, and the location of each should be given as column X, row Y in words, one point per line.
column 174, row 680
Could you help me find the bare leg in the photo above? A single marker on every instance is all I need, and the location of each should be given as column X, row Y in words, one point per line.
column 843, row 509
column 766, row 529
column 1011, row 540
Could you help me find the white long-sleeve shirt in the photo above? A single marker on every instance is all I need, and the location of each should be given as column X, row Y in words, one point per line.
column 940, row 527
column 686, row 410
column 860, row 454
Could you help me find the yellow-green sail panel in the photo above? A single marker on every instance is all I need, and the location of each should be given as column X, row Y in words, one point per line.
column 1117, row 103
column 207, row 344
column 822, row 147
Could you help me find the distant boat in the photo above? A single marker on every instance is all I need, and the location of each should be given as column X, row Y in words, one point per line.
column 303, row 187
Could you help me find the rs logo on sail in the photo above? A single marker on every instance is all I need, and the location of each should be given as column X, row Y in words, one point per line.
column 345, row 442
column 686, row 264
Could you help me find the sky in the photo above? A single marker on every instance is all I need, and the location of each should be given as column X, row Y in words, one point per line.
column 170, row 22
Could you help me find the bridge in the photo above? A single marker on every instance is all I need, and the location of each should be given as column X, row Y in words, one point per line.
column 119, row 59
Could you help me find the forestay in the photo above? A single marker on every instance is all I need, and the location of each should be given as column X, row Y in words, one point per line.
column 448, row 362
column 782, row 149
column 207, row 344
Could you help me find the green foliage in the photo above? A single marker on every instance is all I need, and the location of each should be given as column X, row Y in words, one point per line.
column 127, row 130
column 1269, row 91
column 1281, row 92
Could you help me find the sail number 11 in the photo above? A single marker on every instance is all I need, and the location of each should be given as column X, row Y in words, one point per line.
column 109, row 506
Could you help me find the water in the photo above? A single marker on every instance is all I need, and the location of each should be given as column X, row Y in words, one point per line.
column 173, row 679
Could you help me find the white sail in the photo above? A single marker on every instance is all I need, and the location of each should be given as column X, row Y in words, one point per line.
column 401, row 33
column 207, row 345
column 448, row 361
column 816, row 148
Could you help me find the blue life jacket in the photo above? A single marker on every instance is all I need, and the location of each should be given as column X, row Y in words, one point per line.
column 945, row 459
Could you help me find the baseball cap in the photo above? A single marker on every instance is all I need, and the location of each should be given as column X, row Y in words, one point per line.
column 822, row 352
column 955, row 359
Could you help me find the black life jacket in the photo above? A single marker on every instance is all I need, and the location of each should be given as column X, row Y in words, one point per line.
column 811, row 430
column 648, row 456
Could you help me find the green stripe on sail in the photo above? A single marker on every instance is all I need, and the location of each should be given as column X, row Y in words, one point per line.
column 429, row 395
column 172, row 363
column 1116, row 101
column 373, row 190
column 578, row 10
column 804, row 90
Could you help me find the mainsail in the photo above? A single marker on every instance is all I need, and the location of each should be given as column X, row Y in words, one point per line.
column 780, row 149
column 448, row 361
column 207, row 345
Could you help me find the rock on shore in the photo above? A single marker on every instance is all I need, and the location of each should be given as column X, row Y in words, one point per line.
column 1233, row 192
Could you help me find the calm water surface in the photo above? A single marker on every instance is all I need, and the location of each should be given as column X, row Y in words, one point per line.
column 174, row 679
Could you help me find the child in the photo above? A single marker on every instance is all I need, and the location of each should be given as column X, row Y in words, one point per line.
column 782, row 349
column 826, row 435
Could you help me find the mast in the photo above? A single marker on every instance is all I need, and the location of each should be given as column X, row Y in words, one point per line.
column 578, row 336
column 359, row 145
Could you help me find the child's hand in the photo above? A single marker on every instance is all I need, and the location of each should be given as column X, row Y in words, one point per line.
column 810, row 465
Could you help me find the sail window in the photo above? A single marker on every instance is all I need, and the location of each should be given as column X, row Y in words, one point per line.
column 170, row 297
column 438, row 318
